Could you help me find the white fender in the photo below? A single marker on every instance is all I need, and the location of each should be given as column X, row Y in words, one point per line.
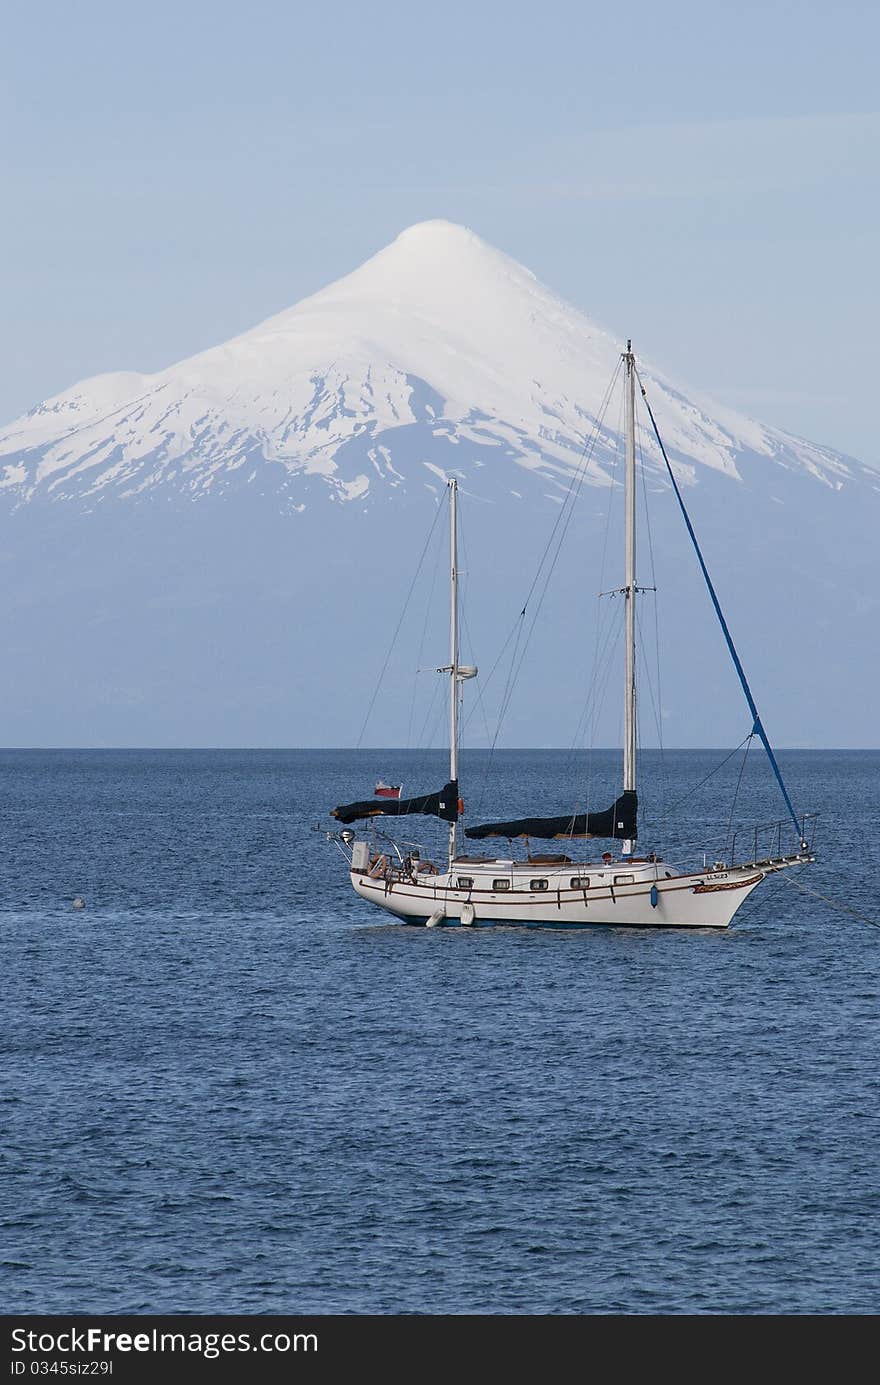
column 468, row 914
column 437, row 917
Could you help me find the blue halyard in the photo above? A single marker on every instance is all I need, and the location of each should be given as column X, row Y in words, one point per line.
column 758, row 726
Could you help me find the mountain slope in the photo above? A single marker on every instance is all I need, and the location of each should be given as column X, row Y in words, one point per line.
column 438, row 352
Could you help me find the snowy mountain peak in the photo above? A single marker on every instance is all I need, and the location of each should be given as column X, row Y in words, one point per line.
column 428, row 243
column 438, row 352
column 439, row 235
column 432, row 255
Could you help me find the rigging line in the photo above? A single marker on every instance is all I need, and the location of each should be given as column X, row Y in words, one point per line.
column 487, row 680
column 618, row 479
column 480, row 700
column 551, row 569
column 592, row 709
column 663, row 766
column 657, row 710
column 516, row 657
column 640, row 458
column 615, row 633
column 397, row 628
column 436, row 731
column 736, row 790
column 654, row 706
column 468, row 639
column 758, row 724
column 520, row 650
column 646, row 794
column 571, row 494
column 696, row 788
column 609, row 657
column 579, row 739
column 612, row 486
column 595, row 701
column 467, row 635
column 613, row 468
column 429, row 604
column 577, row 745
column 563, row 517
column 606, row 630
column 834, row 903
column 646, row 789
column 602, row 629
column 574, row 485
column 647, row 677
column 465, row 721
column 423, row 745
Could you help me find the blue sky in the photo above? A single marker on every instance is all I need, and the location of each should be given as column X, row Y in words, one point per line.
column 701, row 177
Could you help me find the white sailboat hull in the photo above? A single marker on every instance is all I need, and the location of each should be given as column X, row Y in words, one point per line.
column 654, row 899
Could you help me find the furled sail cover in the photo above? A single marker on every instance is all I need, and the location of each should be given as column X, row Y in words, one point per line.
column 617, row 821
column 439, row 805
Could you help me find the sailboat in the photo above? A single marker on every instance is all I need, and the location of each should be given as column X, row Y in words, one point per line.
column 383, row 790
column 552, row 888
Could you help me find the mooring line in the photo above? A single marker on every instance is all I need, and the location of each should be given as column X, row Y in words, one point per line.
column 835, row 904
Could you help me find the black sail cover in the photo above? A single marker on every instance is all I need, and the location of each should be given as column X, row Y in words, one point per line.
column 439, row 805
column 617, row 821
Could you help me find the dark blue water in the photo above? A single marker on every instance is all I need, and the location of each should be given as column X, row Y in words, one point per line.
column 229, row 1086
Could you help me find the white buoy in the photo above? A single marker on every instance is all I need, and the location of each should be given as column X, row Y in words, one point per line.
column 79, row 902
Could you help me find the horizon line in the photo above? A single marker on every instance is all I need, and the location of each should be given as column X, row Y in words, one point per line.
column 413, row 750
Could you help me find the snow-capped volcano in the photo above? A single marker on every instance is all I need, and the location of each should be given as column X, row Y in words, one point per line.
column 438, row 352
column 133, row 616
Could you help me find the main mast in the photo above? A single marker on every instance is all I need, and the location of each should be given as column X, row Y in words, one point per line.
column 453, row 650
column 629, row 695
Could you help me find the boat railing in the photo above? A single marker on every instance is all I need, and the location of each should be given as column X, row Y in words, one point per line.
column 400, row 849
column 759, row 845
column 772, row 841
